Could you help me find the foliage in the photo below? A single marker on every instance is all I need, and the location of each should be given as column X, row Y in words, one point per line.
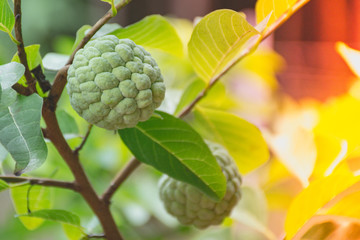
column 312, row 173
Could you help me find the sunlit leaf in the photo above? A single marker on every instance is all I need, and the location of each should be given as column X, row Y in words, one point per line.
column 170, row 145
column 73, row 232
column 153, row 31
column 38, row 198
column 20, row 132
column 56, row 215
column 277, row 8
column 32, row 54
column 337, row 120
column 218, row 41
column 350, row 56
column 190, row 94
column 3, row 185
column 347, row 206
column 330, row 152
column 242, row 139
column 7, row 19
column 314, row 198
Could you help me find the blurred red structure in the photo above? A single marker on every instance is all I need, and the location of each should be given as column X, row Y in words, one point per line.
column 307, row 42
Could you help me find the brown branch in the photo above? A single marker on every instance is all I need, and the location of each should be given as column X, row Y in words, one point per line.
column 100, row 209
column 53, row 133
column 21, row 50
column 76, row 151
column 119, row 179
column 22, row 89
column 40, row 181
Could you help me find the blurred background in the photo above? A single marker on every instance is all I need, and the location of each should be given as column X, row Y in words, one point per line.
column 299, row 62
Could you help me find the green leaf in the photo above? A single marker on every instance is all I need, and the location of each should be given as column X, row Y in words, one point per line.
column 242, row 139
column 32, row 54
column 3, row 154
column 218, row 41
column 54, row 61
column 7, row 19
column 55, row 215
column 67, row 122
column 73, row 232
column 106, row 29
column 190, row 94
column 8, row 97
column 153, row 31
column 173, row 147
column 20, row 132
column 3, row 185
column 39, row 198
column 113, row 8
column 10, row 73
column 80, row 34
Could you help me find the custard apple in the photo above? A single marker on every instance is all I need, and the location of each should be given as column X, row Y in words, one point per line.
column 191, row 206
column 114, row 83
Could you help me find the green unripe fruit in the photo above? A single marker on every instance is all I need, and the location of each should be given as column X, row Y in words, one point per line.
column 114, row 83
column 191, row 206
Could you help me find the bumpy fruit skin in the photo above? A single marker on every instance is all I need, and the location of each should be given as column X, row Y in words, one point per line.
column 114, row 83
column 192, row 207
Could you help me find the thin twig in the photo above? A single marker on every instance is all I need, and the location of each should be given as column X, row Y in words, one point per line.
column 95, row 236
column 119, row 179
column 22, row 89
column 76, row 151
column 40, row 181
column 21, row 50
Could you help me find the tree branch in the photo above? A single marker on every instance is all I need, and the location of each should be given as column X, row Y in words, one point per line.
column 40, row 181
column 53, row 133
column 119, row 179
column 21, row 50
column 22, row 89
column 76, row 151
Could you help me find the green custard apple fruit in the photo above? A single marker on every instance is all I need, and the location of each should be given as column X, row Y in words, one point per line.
column 114, row 83
column 191, row 206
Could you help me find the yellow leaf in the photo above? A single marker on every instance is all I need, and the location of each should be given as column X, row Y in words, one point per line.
column 317, row 196
column 242, row 139
column 330, row 152
column 348, row 206
column 280, row 9
column 218, row 41
column 340, row 119
column 350, row 56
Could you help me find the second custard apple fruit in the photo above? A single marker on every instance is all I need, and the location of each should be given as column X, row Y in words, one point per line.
column 191, row 206
column 114, row 83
